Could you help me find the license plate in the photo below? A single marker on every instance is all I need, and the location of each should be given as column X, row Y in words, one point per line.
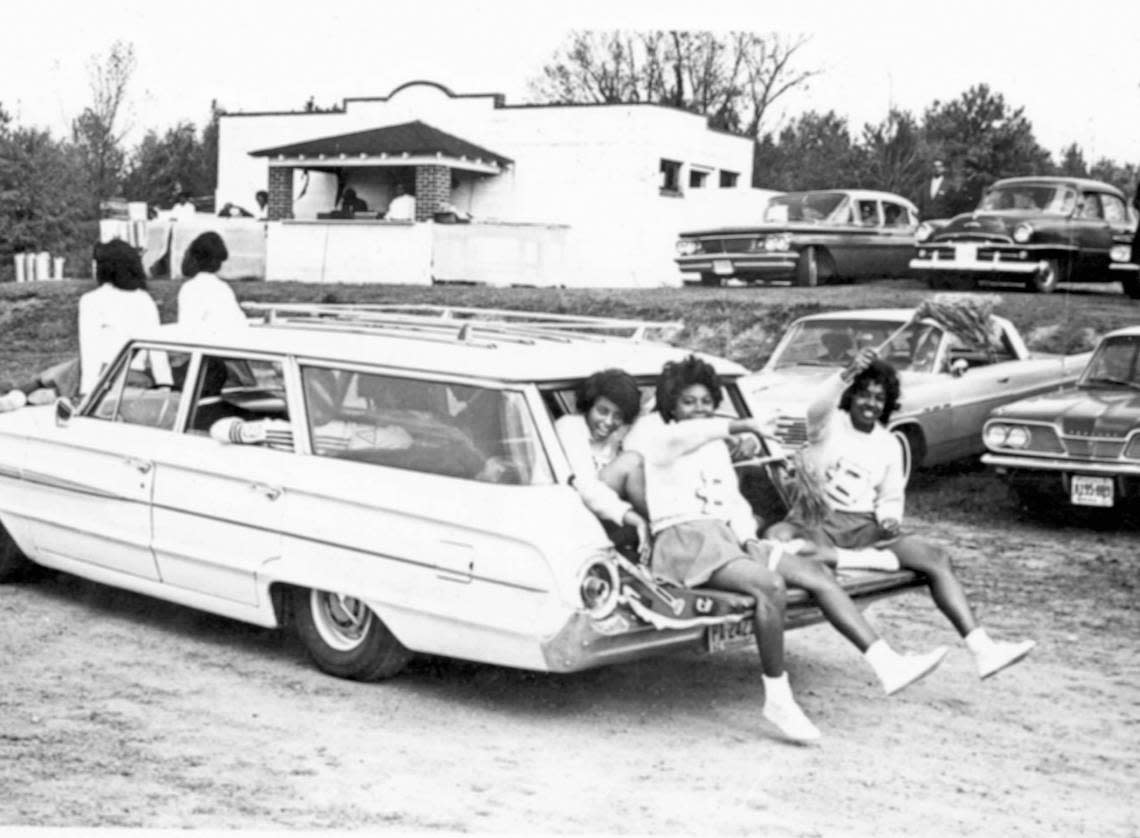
column 966, row 252
column 1085, row 490
column 722, row 267
column 724, row 636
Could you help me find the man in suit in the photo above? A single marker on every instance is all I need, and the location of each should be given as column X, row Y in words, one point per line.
column 934, row 202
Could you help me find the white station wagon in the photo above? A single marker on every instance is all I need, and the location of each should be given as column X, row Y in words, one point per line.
column 413, row 497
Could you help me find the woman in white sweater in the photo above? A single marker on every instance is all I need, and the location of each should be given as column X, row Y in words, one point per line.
column 204, row 299
column 858, row 463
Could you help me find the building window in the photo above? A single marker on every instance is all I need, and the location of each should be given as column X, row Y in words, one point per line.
column 698, row 178
column 728, row 179
column 670, row 177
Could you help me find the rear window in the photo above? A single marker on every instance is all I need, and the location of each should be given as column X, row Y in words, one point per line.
column 455, row 430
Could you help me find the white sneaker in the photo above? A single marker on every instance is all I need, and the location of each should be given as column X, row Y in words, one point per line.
column 1000, row 655
column 791, row 721
column 13, row 401
column 906, row 669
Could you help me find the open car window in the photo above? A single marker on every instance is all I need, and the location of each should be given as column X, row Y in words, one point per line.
column 229, row 386
column 456, row 430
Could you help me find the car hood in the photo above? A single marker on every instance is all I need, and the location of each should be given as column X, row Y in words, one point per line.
column 1105, row 412
column 975, row 223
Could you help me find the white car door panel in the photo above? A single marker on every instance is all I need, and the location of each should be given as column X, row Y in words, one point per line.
column 218, row 515
column 92, row 482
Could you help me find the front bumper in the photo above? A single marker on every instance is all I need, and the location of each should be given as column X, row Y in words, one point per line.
column 987, row 259
column 1053, row 464
column 736, row 264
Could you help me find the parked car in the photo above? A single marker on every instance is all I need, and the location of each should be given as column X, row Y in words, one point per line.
column 413, row 497
column 1039, row 231
column 809, row 238
column 948, row 386
column 1080, row 446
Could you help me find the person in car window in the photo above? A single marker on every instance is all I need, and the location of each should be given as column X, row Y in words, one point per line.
column 608, row 402
column 858, row 465
column 704, row 530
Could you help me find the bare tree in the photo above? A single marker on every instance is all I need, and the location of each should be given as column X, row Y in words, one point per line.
column 732, row 77
column 99, row 130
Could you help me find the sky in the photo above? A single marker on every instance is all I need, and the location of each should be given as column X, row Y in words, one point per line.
column 1073, row 67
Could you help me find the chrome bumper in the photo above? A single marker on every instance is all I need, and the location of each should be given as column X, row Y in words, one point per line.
column 1113, row 469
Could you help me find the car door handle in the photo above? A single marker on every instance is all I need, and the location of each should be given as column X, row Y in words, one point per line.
column 270, row 492
column 1003, row 380
column 141, row 466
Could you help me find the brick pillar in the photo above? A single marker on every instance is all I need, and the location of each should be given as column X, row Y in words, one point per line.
column 280, row 192
column 433, row 190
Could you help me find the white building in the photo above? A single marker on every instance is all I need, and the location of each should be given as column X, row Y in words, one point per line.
column 575, row 195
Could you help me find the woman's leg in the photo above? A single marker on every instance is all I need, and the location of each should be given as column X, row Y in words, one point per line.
column 932, row 561
column 809, row 574
column 750, row 577
column 626, row 476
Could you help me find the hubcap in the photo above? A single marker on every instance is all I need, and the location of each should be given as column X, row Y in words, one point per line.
column 342, row 621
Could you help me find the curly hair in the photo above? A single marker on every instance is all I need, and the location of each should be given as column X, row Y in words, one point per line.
column 205, row 253
column 119, row 263
column 676, row 376
column 883, row 374
column 616, row 385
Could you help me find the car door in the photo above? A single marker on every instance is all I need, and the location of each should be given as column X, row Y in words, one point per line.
column 1092, row 235
column 1119, row 224
column 93, row 475
column 218, row 504
column 895, row 247
column 852, row 245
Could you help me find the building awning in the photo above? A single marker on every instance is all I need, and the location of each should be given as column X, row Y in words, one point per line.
column 407, row 144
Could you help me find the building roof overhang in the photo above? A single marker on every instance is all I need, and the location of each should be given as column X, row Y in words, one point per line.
column 407, row 144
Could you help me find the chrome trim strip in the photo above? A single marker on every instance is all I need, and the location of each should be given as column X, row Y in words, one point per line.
column 1075, row 466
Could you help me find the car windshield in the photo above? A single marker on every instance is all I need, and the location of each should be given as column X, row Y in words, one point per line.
column 1114, row 362
column 832, row 342
column 803, row 206
column 1046, row 198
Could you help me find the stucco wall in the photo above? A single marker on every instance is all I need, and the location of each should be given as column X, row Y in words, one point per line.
column 595, row 169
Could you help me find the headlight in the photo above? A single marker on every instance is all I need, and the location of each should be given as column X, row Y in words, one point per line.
column 598, row 588
column 1007, row 436
column 687, row 247
column 923, row 232
column 1023, row 233
column 780, row 241
column 1120, row 253
column 995, row 435
column 1132, row 450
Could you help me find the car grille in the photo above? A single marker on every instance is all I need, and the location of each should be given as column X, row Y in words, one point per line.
column 976, row 237
column 791, row 431
column 733, row 245
column 1097, row 449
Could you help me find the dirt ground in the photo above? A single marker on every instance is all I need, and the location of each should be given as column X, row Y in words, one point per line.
column 121, row 711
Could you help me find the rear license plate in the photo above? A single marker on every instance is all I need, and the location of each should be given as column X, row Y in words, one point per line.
column 724, row 636
column 722, row 267
column 966, row 252
column 1085, row 490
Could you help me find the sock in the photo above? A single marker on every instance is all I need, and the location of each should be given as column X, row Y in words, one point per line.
column 978, row 641
column 777, row 690
column 880, row 656
column 869, row 558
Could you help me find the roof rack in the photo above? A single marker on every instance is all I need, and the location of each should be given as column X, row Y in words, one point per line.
column 456, row 323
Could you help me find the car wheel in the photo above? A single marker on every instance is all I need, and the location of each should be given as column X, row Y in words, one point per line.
column 1131, row 286
column 712, row 280
column 13, row 563
column 1046, row 278
column 807, row 268
column 345, row 638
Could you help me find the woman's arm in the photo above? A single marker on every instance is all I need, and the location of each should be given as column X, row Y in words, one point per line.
column 598, row 497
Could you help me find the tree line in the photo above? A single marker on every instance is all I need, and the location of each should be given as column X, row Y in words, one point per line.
column 735, row 79
column 51, row 188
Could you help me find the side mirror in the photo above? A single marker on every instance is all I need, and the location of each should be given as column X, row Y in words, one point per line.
column 64, row 410
column 958, row 367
